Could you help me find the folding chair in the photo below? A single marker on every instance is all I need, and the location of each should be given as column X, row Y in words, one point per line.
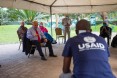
column 59, row 34
column 34, row 46
column 20, row 40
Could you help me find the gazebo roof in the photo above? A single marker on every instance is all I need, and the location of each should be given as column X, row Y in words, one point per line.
column 62, row 6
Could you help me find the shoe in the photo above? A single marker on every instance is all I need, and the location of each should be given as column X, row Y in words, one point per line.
column 54, row 42
column 43, row 58
column 53, row 55
column 26, row 53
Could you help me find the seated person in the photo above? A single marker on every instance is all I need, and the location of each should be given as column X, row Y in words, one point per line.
column 21, row 31
column 45, row 31
column 90, row 54
column 114, row 41
column 105, row 32
column 36, row 36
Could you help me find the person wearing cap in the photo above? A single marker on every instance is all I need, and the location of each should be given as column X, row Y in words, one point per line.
column 89, row 52
column 66, row 22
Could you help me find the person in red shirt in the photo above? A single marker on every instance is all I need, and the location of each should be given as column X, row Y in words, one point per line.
column 45, row 31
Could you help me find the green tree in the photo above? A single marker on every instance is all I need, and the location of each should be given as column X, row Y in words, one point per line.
column 3, row 16
column 26, row 15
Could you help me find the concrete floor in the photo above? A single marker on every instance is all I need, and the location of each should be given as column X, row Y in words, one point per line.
column 15, row 64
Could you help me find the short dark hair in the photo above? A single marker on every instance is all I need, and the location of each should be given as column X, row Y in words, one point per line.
column 83, row 25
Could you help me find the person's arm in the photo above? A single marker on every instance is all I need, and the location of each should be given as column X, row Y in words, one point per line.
column 42, row 34
column 67, row 54
column 66, row 64
column 101, row 30
column 19, row 33
column 29, row 34
column 45, row 29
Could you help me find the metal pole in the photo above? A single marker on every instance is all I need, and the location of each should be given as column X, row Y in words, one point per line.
column 51, row 15
column 51, row 19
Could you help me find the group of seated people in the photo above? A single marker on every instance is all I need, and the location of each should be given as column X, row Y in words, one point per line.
column 34, row 36
column 38, row 34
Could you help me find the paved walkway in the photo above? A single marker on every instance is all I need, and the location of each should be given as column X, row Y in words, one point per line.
column 16, row 65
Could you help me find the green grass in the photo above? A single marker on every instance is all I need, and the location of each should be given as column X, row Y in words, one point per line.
column 8, row 33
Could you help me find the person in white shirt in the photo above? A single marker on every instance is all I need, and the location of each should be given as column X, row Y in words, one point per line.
column 36, row 36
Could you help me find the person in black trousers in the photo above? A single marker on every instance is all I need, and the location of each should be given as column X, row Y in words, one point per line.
column 36, row 37
column 105, row 32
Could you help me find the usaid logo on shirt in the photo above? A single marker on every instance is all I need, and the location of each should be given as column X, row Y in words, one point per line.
column 89, row 39
column 90, row 44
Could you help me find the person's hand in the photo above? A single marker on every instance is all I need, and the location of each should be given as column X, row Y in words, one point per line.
column 36, row 35
column 45, row 40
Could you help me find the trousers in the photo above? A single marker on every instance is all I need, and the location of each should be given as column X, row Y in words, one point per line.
column 66, row 32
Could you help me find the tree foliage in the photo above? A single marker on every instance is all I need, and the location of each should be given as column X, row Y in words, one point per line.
column 28, row 16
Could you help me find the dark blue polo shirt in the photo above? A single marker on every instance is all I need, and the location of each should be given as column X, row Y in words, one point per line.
column 90, row 56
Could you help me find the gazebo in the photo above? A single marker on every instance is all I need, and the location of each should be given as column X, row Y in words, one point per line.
column 62, row 6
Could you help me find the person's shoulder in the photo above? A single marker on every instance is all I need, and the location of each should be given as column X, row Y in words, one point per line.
column 95, row 35
column 101, row 26
column 44, row 27
column 98, row 37
column 72, row 39
column 109, row 27
column 30, row 28
column 90, row 34
column 19, row 29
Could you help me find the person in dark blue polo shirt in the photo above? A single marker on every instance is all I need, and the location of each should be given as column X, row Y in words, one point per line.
column 89, row 52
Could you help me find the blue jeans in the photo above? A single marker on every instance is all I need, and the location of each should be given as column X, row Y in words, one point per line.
column 49, row 37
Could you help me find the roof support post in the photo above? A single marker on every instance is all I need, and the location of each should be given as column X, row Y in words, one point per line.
column 51, row 19
column 51, row 15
